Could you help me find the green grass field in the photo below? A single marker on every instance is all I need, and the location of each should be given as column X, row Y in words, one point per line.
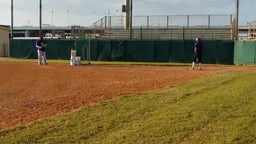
column 217, row 109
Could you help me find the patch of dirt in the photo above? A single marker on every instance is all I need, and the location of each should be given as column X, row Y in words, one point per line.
column 29, row 92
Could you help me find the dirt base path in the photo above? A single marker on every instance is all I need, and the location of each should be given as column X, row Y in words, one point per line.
column 30, row 92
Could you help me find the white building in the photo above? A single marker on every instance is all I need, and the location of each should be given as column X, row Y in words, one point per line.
column 4, row 41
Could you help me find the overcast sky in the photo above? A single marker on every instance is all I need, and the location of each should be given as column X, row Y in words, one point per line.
column 86, row 12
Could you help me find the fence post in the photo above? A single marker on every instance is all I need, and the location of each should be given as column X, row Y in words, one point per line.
column 187, row 21
column 106, row 22
column 141, row 32
column 183, row 33
column 167, row 23
column 109, row 19
column 101, row 23
column 147, row 22
column 209, row 21
column 231, row 19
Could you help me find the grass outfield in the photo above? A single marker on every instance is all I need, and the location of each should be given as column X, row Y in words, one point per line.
column 217, row 109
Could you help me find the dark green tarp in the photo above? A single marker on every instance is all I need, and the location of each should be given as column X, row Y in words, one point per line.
column 216, row 51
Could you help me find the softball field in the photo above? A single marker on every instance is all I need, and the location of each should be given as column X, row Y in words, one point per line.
column 29, row 92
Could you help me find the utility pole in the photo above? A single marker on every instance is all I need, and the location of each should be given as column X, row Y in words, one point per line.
column 68, row 17
column 52, row 17
column 40, row 18
column 237, row 20
column 130, row 20
column 11, row 19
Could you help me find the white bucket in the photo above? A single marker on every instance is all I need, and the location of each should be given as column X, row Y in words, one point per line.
column 78, row 60
column 73, row 57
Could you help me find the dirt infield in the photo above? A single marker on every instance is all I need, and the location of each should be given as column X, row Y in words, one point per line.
column 29, row 92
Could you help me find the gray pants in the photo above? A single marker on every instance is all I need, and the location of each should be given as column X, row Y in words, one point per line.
column 41, row 55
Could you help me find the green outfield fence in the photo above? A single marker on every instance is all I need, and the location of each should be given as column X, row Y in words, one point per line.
column 214, row 51
column 245, row 52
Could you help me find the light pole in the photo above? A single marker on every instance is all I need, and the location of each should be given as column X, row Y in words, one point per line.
column 109, row 19
column 130, row 20
column 52, row 17
column 237, row 20
column 67, row 17
column 11, row 19
column 40, row 18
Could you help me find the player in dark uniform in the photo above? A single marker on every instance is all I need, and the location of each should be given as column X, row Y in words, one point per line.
column 198, row 54
column 40, row 46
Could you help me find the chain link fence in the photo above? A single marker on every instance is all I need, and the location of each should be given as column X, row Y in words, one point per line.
column 252, row 30
column 166, row 21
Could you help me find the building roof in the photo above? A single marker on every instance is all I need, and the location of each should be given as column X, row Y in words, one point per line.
column 44, row 27
column 6, row 27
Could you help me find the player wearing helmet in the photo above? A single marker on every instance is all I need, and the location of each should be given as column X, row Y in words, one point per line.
column 198, row 54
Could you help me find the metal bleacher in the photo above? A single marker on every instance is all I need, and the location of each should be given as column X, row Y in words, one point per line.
column 221, row 33
column 174, row 27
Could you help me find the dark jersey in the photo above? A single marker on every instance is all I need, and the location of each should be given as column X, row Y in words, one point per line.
column 198, row 48
column 39, row 45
